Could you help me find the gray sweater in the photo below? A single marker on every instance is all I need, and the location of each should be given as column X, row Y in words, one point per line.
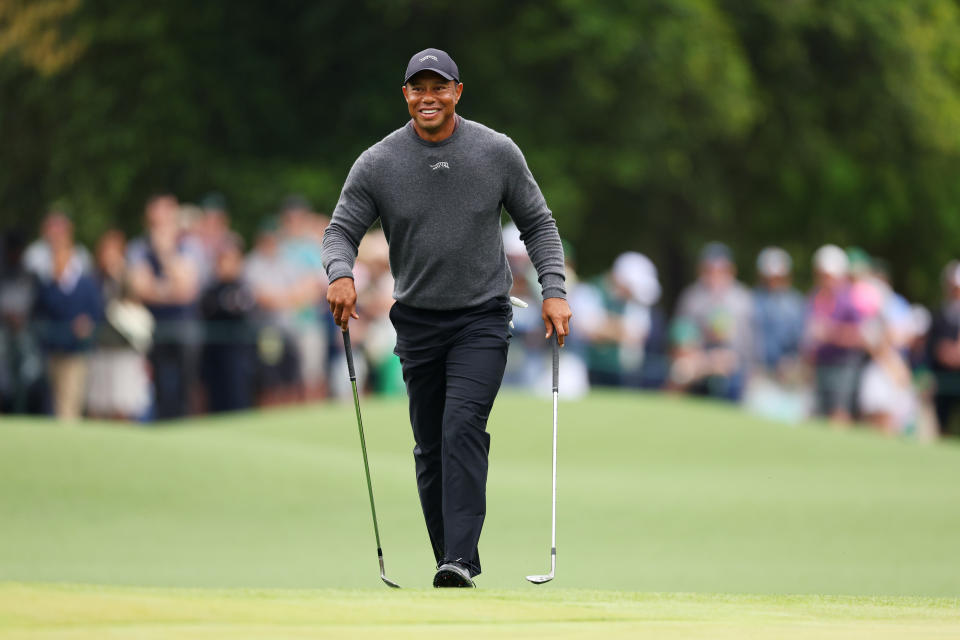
column 439, row 204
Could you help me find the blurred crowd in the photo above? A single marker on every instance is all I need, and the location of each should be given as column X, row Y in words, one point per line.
column 180, row 320
column 850, row 350
column 186, row 319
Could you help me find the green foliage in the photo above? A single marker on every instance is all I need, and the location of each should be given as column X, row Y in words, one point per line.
column 650, row 125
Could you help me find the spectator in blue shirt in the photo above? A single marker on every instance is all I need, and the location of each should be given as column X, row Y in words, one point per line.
column 67, row 309
column 779, row 313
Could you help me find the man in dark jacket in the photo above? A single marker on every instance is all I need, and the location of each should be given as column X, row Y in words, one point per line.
column 67, row 308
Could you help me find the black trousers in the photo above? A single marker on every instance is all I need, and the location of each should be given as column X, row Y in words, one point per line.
column 453, row 363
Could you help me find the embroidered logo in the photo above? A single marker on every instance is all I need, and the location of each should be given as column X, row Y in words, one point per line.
column 434, row 58
column 440, row 165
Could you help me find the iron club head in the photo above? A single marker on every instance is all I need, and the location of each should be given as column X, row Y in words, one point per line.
column 540, row 579
column 390, row 583
column 383, row 572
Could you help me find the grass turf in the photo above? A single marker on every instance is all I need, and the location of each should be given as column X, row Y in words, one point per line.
column 657, row 494
column 74, row 612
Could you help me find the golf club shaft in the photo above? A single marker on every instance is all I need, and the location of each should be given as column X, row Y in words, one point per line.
column 556, row 391
column 363, row 442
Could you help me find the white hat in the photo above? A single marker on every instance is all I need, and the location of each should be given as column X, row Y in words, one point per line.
column 512, row 244
column 773, row 262
column 831, row 260
column 638, row 275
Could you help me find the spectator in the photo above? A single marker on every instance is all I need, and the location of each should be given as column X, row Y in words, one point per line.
column 279, row 289
column 119, row 379
column 777, row 387
column 944, row 346
column 525, row 363
column 617, row 314
column 374, row 300
column 833, row 337
column 22, row 381
column 721, row 309
column 886, row 398
column 164, row 274
column 228, row 364
column 301, row 248
column 926, row 427
column 779, row 313
column 211, row 229
column 67, row 309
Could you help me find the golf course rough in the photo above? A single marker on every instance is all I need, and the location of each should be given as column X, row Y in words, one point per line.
column 258, row 525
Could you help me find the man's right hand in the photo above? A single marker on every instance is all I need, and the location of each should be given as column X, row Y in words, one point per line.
column 342, row 297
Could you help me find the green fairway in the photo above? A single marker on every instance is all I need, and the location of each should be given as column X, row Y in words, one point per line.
column 657, row 494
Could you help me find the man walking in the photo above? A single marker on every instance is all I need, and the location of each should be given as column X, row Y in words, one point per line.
column 438, row 185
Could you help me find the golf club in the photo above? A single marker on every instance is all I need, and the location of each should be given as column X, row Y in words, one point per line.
column 363, row 447
column 553, row 536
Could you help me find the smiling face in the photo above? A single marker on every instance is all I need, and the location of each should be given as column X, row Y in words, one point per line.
column 431, row 101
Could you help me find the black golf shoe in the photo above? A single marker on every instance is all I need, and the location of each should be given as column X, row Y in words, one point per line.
column 452, row 574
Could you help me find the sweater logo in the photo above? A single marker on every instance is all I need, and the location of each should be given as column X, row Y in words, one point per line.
column 440, row 165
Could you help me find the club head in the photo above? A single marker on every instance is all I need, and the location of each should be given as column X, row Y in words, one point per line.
column 390, row 583
column 540, row 579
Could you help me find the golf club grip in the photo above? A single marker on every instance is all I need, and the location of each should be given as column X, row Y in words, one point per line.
column 349, row 351
column 556, row 362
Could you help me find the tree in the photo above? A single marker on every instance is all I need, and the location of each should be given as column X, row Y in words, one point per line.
column 654, row 126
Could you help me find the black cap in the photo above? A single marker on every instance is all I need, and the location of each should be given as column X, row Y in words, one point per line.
column 432, row 60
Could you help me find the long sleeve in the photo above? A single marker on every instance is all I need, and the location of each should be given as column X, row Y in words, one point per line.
column 440, row 204
column 353, row 215
column 527, row 207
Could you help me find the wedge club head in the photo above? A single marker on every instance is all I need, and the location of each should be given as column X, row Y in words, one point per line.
column 553, row 570
column 390, row 583
column 383, row 574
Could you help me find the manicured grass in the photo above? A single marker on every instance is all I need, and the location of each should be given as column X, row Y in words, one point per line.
column 57, row 611
column 657, row 495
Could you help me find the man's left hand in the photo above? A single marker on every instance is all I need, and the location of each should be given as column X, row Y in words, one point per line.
column 556, row 315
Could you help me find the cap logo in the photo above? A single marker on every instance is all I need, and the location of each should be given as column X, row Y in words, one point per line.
column 429, row 58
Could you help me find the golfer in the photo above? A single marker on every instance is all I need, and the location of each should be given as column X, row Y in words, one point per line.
column 438, row 185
